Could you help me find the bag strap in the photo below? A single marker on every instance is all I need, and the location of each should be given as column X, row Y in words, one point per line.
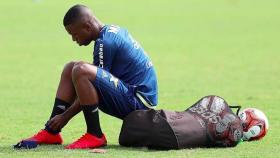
column 238, row 107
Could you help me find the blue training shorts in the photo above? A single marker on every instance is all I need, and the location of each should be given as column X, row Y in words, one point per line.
column 116, row 98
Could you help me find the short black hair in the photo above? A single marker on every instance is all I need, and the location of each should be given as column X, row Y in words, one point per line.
column 73, row 14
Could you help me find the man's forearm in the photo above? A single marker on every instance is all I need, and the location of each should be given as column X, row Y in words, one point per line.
column 74, row 109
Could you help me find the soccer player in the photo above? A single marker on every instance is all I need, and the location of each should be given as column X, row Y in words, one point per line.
column 121, row 79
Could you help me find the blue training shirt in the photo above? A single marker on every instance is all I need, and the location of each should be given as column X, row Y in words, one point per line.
column 118, row 53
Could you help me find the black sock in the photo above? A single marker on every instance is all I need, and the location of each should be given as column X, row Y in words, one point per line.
column 59, row 107
column 92, row 120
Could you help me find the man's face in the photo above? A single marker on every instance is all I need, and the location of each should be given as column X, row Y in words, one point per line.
column 80, row 33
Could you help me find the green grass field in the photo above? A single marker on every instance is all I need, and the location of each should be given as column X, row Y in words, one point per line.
column 224, row 47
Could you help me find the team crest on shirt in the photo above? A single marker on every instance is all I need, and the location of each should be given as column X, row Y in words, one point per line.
column 114, row 80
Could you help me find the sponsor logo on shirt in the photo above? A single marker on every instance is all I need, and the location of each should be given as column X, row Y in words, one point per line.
column 101, row 57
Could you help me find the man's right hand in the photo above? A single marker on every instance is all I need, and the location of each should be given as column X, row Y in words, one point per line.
column 57, row 122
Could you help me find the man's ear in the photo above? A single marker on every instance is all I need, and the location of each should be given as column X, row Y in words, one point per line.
column 87, row 26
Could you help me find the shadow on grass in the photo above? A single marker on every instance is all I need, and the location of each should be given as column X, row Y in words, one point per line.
column 138, row 149
column 59, row 148
column 40, row 148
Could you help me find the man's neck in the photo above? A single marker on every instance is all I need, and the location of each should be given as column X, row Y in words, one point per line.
column 97, row 29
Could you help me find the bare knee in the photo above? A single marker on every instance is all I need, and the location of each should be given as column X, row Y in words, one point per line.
column 83, row 70
column 67, row 70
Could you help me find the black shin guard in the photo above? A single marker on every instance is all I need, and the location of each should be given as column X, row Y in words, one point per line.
column 59, row 107
column 92, row 120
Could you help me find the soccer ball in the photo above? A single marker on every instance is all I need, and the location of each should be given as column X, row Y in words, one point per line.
column 255, row 124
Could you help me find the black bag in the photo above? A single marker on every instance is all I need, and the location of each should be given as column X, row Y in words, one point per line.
column 208, row 123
